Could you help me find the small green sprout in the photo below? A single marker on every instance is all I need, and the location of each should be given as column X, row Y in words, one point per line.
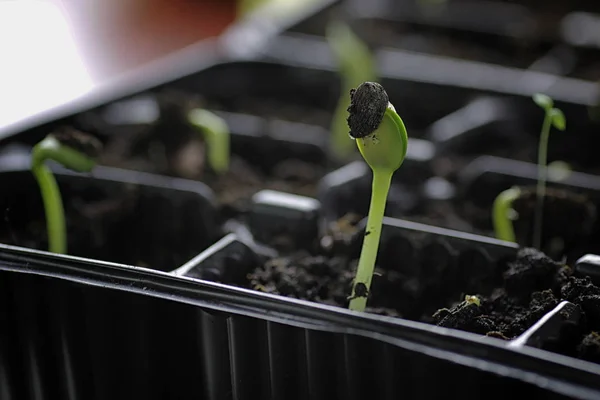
column 382, row 141
column 216, row 137
column 503, row 214
column 472, row 300
column 553, row 118
column 74, row 150
column 355, row 66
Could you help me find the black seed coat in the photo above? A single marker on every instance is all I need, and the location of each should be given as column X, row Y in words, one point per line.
column 368, row 103
column 83, row 142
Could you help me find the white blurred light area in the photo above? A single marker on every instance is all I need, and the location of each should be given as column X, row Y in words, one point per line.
column 40, row 67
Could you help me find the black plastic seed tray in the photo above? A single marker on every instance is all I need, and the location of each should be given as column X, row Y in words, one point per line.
column 87, row 329
column 90, row 329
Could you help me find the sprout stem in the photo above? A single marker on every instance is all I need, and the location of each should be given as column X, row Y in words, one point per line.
column 366, row 264
column 541, row 183
column 553, row 117
column 53, row 207
column 51, row 148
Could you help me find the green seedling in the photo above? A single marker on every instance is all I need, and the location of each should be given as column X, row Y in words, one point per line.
column 503, row 214
column 553, row 118
column 382, row 141
column 73, row 150
column 216, row 136
column 472, row 300
column 355, row 66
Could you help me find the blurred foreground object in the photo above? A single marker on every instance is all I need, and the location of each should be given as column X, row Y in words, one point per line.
column 41, row 64
column 54, row 52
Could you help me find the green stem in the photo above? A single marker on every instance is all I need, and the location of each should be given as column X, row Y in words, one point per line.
column 503, row 225
column 51, row 148
column 366, row 264
column 53, row 206
column 541, row 183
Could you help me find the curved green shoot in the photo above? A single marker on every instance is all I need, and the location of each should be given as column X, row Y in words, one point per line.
column 553, row 118
column 503, row 214
column 355, row 65
column 216, row 136
column 384, row 149
column 77, row 159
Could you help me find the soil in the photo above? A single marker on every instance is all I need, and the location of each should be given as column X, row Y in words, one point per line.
column 532, row 285
column 589, row 348
column 172, row 147
column 325, row 275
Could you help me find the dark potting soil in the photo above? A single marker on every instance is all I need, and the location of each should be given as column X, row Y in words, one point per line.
column 532, row 285
column 325, row 274
column 589, row 348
